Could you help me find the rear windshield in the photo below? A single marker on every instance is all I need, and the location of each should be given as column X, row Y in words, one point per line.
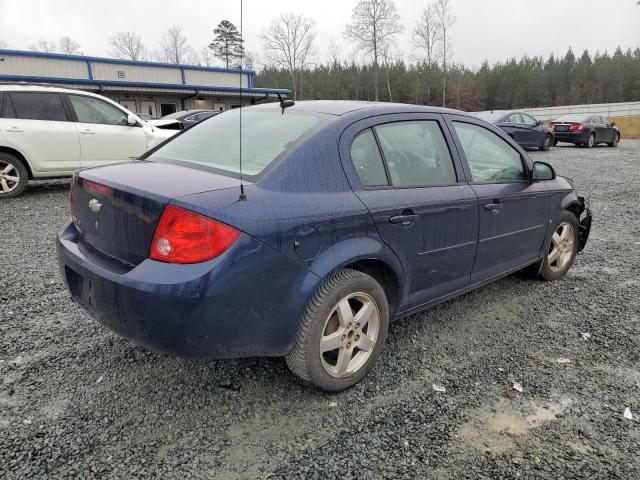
column 266, row 135
column 490, row 116
column 574, row 119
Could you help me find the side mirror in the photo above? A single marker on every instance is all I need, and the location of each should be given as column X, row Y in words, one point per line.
column 540, row 122
column 613, row 124
column 542, row 171
column 132, row 121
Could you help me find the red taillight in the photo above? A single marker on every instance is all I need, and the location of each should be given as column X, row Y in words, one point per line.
column 576, row 128
column 96, row 187
column 187, row 237
column 552, row 125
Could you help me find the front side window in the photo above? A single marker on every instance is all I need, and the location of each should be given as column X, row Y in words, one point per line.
column 93, row 110
column 367, row 160
column 266, row 135
column 515, row 118
column 35, row 106
column 490, row 158
column 416, row 154
column 529, row 120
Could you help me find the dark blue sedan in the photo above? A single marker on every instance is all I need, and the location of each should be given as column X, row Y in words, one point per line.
column 522, row 127
column 350, row 215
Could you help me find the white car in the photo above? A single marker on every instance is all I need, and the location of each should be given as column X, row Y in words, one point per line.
column 49, row 132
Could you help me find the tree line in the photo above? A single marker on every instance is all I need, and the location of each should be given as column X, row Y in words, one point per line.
column 527, row 82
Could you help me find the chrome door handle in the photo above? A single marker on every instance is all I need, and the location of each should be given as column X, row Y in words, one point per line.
column 405, row 220
column 87, row 131
column 494, row 207
column 14, row 130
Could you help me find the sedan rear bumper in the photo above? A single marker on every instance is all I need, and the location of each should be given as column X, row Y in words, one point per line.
column 231, row 306
column 572, row 137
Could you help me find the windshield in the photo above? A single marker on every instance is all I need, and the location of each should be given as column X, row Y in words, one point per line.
column 574, row 119
column 266, row 134
column 490, row 116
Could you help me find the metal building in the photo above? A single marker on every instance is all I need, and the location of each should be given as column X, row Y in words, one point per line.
column 152, row 88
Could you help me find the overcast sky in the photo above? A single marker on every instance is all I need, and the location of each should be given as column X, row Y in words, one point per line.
column 489, row 29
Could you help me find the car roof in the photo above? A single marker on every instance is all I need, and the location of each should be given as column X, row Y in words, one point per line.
column 343, row 107
column 30, row 87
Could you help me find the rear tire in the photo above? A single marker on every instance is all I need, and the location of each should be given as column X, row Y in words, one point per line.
column 562, row 248
column 342, row 331
column 546, row 145
column 14, row 176
column 591, row 141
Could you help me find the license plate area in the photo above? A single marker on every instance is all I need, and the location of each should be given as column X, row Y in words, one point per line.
column 82, row 289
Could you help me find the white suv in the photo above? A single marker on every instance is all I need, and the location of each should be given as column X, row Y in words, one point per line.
column 48, row 132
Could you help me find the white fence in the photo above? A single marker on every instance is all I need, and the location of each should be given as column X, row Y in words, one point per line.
column 628, row 109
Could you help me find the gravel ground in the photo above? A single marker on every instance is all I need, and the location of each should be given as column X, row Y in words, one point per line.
column 78, row 402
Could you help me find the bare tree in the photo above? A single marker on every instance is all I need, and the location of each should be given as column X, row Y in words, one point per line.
column 335, row 53
column 426, row 37
column 127, row 45
column 288, row 44
column 446, row 20
column 206, row 57
column 69, row 46
column 174, row 47
column 373, row 25
column 44, row 46
column 250, row 60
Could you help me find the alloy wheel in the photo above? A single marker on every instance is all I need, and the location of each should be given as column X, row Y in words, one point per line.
column 561, row 247
column 9, row 177
column 592, row 140
column 349, row 335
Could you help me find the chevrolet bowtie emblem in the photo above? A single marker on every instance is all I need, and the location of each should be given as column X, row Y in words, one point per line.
column 95, row 206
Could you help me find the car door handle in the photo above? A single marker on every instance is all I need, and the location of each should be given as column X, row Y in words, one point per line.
column 14, row 130
column 494, row 207
column 87, row 131
column 405, row 219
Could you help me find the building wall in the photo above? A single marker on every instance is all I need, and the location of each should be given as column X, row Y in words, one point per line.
column 60, row 66
column 43, row 67
column 132, row 73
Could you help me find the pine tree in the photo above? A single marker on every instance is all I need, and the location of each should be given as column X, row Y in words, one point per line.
column 227, row 43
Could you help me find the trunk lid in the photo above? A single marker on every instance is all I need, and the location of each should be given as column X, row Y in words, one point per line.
column 116, row 208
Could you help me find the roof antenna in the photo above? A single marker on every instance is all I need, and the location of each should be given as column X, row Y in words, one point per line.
column 285, row 103
column 242, row 194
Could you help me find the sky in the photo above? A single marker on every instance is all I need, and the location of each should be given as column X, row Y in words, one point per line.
column 494, row 30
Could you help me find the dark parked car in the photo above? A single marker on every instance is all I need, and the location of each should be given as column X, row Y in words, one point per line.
column 190, row 117
column 522, row 127
column 350, row 215
column 586, row 130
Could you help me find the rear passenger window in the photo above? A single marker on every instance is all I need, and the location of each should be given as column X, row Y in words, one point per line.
column 35, row 106
column 416, row 154
column 490, row 158
column 367, row 160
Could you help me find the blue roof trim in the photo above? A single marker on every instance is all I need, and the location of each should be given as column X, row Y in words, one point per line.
column 173, row 86
column 61, row 56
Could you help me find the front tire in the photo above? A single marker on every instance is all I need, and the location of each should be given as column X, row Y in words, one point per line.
column 13, row 176
column 342, row 331
column 562, row 248
column 615, row 142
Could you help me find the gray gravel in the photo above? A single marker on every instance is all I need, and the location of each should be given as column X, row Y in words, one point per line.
column 78, row 402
